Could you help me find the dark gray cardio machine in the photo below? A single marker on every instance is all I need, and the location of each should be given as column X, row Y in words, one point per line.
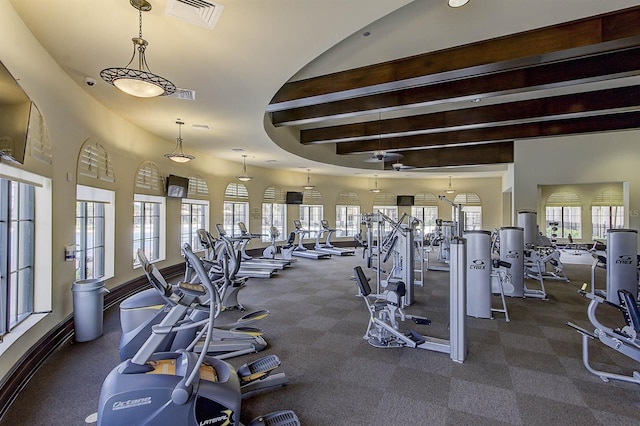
column 184, row 387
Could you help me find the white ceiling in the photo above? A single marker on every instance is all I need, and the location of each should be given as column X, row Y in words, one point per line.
column 256, row 46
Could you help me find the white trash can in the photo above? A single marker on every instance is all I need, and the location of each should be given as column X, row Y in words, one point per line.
column 88, row 306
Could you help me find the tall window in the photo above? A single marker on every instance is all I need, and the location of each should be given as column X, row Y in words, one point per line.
column 565, row 209
column 347, row 221
column 149, row 227
column 274, row 213
column 385, row 202
column 236, row 208
column 310, row 217
column 607, row 212
column 90, row 225
column 347, row 214
column 194, row 215
column 471, row 208
column 426, row 210
column 17, row 252
column 95, row 232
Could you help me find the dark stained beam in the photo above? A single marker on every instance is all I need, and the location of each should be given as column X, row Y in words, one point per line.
column 567, row 106
column 559, row 42
column 600, row 123
column 593, row 68
column 494, row 153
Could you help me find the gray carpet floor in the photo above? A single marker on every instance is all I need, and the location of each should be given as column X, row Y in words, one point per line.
column 525, row 372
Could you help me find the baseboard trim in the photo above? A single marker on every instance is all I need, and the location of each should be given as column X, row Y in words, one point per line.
column 26, row 367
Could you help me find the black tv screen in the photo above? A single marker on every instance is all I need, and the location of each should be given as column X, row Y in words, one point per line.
column 177, row 186
column 404, row 200
column 294, row 197
column 15, row 109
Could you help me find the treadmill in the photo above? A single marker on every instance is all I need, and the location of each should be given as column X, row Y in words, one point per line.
column 251, row 271
column 327, row 247
column 250, row 261
column 301, row 250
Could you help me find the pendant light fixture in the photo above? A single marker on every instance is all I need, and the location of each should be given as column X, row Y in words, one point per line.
column 140, row 82
column 449, row 189
column 308, row 185
column 457, row 3
column 375, row 188
column 244, row 177
column 178, row 154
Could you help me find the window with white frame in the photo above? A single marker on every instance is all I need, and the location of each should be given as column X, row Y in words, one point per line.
column 149, row 227
column 274, row 213
column 347, row 214
column 426, row 211
column 471, row 208
column 194, row 215
column 235, row 208
column 25, row 251
column 311, row 212
column 565, row 209
column 95, row 232
column 607, row 212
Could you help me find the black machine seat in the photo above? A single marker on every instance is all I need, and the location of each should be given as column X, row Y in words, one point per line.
column 629, row 309
column 362, row 281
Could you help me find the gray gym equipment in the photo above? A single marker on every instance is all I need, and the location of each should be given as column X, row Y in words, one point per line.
column 247, row 269
column 399, row 246
column 622, row 262
column 246, row 237
column 144, row 310
column 183, row 387
column 541, row 258
column 272, row 249
column 384, row 313
column 300, row 250
column 482, row 280
column 624, row 339
column 327, row 246
column 511, row 240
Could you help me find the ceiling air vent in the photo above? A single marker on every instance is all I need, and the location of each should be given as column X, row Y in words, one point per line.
column 186, row 94
column 199, row 12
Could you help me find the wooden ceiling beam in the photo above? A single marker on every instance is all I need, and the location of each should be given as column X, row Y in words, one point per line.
column 594, row 68
column 495, row 153
column 600, row 123
column 575, row 105
column 563, row 41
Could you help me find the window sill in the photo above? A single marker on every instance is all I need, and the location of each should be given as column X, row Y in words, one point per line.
column 20, row 330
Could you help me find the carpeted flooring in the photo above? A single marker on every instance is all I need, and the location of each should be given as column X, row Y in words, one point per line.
column 525, row 372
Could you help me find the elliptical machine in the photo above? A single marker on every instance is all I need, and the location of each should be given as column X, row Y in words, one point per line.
column 183, row 387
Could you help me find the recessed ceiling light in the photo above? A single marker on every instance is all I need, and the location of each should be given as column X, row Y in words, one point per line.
column 201, row 127
column 237, row 149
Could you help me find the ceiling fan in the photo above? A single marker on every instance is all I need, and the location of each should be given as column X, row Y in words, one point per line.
column 385, row 156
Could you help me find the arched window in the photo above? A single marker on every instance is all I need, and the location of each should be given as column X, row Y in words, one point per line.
column 149, row 213
column 236, row 208
column 607, row 212
column 274, row 213
column 194, row 212
column 385, row 202
column 94, row 164
column 347, row 214
column 472, row 209
column 311, row 212
column 198, row 188
column 563, row 211
column 425, row 208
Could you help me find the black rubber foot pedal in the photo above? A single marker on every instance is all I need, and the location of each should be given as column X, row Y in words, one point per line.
column 277, row 418
column 258, row 369
column 418, row 338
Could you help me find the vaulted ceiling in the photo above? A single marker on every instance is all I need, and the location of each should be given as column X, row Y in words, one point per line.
column 572, row 78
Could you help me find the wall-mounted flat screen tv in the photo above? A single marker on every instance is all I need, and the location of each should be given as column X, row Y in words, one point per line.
column 294, row 197
column 404, row 200
column 177, row 186
column 15, row 107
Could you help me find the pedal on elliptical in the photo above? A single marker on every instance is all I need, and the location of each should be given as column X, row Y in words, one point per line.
column 421, row 321
column 277, row 418
column 418, row 338
column 258, row 369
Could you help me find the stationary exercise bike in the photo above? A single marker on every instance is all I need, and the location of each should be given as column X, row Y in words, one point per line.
column 625, row 340
column 182, row 387
column 145, row 310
